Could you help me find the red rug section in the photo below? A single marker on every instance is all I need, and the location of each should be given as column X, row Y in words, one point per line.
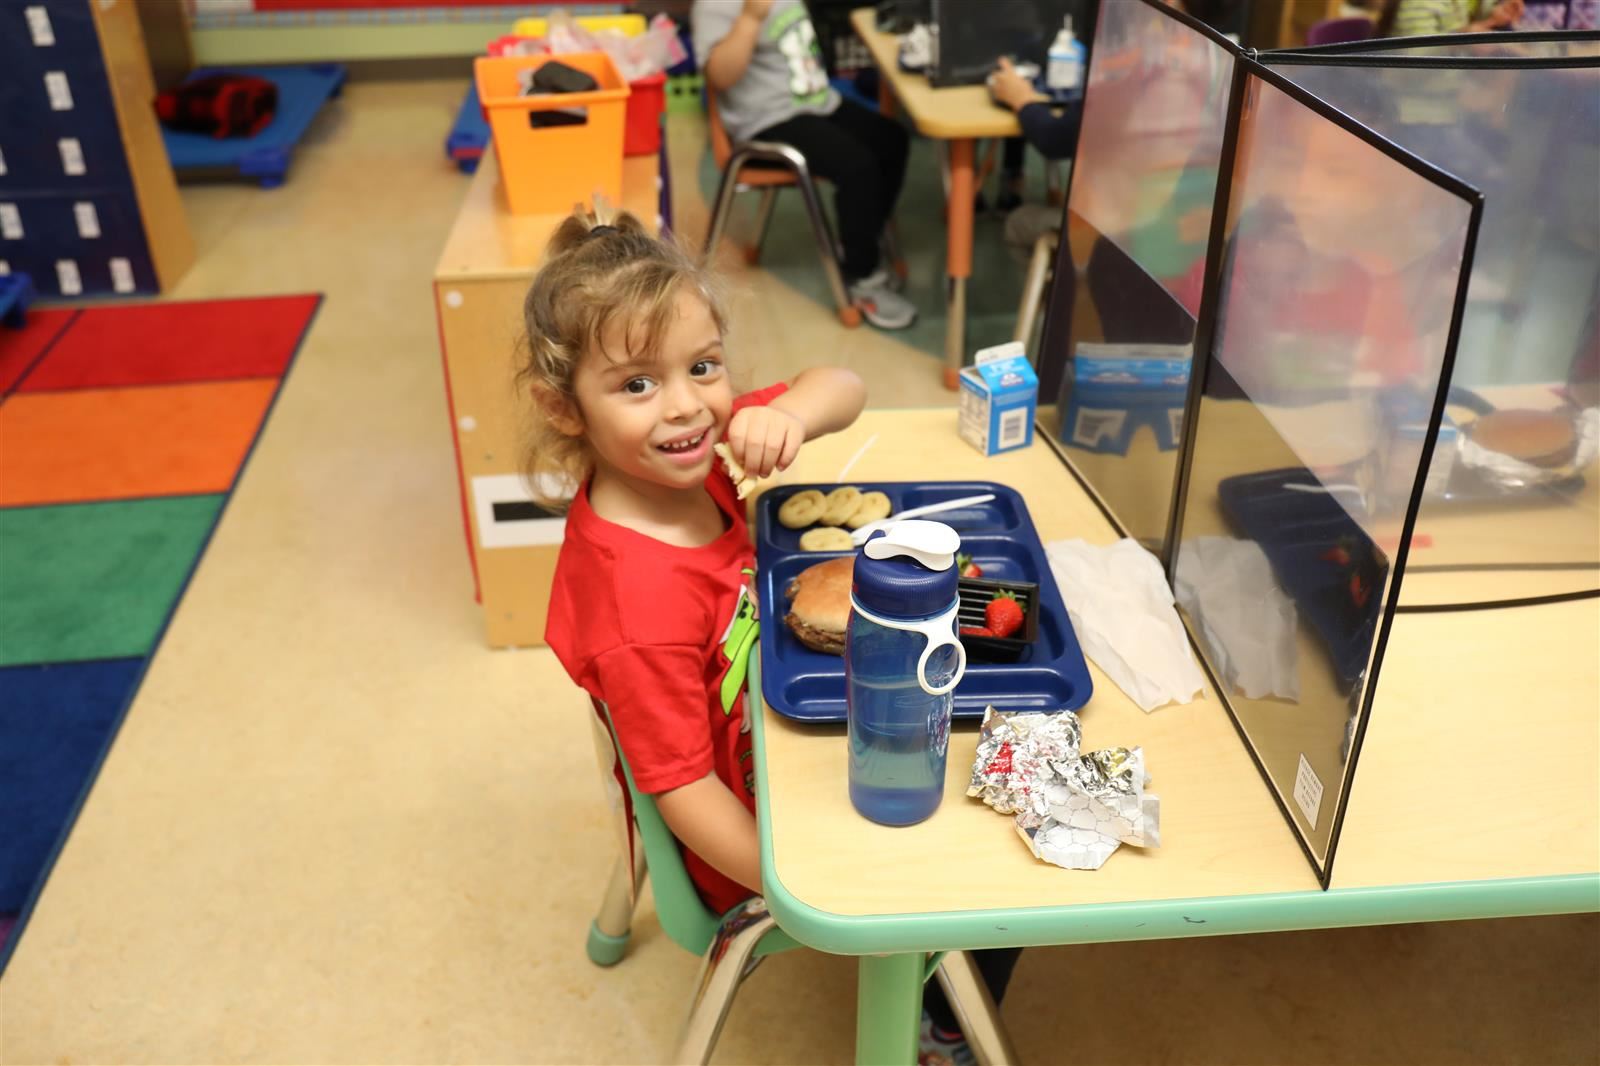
column 20, row 347
column 174, row 343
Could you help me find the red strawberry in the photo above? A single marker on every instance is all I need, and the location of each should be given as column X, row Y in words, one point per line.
column 976, row 631
column 1003, row 614
column 966, row 567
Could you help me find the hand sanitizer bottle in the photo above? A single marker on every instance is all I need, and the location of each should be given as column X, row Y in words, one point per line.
column 1065, row 71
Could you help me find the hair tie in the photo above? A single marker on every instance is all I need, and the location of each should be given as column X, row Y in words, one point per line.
column 603, row 229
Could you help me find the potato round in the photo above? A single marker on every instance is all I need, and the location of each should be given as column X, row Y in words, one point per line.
column 825, row 539
column 873, row 507
column 802, row 509
column 841, row 504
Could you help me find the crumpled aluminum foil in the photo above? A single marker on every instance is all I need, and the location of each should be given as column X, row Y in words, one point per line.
column 1071, row 809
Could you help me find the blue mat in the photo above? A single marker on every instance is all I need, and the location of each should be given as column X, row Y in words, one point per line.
column 55, row 723
column 301, row 93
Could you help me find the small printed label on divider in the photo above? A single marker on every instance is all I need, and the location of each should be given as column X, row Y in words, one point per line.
column 10, row 222
column 44, row 34
column 55, row 83
column 72, row 156
column 88, row 220
column 121, row 275
column 1308, row 791
column 67, row 276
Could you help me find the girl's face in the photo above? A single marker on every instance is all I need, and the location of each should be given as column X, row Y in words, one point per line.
column 651, row 420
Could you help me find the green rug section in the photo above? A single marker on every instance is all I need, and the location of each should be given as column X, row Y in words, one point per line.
column 95, row 580
column 993, row 291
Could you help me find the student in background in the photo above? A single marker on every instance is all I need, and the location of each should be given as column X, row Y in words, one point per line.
column 1419, row 18
column 1052, row 133
column 762, row 61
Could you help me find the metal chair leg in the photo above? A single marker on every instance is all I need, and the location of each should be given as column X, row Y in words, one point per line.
column 827, row 249
column 769, row 197
column 975, row 1010
column 1033, row 289
column 889, row 242
column 729, row 960
column 721, row 207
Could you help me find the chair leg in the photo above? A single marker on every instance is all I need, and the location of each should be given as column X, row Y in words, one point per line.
column 728, row 961
column 890, row 243
column 975, row 1010
column 827, row 250
column 1033, row 289
column 769, row 197
column 720, row 209
column 611, row 928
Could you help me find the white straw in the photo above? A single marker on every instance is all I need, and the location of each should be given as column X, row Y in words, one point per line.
column 844, row 473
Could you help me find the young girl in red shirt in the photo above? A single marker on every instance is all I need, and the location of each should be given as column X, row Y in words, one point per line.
column 631, row 389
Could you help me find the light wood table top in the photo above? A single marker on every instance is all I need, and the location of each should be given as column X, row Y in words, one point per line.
column 956, row 113
column 489, row 242
column 1228, row 862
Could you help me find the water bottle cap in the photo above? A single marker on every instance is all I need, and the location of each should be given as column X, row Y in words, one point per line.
column 907, row 570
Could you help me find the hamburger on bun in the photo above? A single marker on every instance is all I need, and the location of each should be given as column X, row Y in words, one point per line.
column 1538, row 438
column 819, row 604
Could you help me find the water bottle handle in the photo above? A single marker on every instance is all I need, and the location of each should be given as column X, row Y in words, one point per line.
column 938, row 631
column 934, row 645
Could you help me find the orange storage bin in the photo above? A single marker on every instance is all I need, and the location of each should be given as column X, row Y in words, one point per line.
column 548, row 169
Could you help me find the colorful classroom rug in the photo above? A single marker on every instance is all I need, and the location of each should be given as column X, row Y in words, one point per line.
column 123, row 430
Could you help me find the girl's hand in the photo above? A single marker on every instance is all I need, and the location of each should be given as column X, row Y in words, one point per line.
column 756, row 9
column 765, row 439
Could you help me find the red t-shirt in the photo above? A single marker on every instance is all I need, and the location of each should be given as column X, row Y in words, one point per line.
column 662, row 634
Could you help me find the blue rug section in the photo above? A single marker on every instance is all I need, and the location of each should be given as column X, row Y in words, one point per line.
column 55, row 723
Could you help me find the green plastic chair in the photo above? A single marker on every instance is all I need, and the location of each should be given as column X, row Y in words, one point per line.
column 732, row 945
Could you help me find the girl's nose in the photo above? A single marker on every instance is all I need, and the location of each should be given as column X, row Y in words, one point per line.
column 683, row 399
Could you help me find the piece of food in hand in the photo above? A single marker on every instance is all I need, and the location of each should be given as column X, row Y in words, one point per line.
column 976, row 631
column 742, row 483
column 802, row 509
column 1003, row 614
column 825, row 539
column 1538, row 438
column 841, row 504
column 874, row 507
column 965, row 567
column 819, row 603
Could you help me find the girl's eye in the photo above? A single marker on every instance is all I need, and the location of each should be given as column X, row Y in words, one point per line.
column 637, row 386
column 705, row 368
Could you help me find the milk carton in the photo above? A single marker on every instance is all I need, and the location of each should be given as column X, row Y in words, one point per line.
column 999, row 397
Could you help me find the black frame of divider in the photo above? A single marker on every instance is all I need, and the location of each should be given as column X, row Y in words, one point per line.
column 1249, row 66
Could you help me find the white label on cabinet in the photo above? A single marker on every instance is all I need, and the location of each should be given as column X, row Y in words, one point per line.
column 88, row 220
column 5, row 268
column 44, row 35
column 121, row 275
column 2, row 162
column 55, row 83
column 69, row 278
column 1308, row 791
column 72, row 156
column 508, row 517
column 10, row 222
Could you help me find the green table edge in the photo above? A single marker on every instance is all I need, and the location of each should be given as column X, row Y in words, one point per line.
column 1093, row 923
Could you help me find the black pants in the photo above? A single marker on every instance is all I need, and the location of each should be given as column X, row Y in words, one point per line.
column 994, row 965
column 864, row 155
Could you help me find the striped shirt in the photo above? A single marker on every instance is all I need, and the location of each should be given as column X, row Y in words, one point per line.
column 1416, row 18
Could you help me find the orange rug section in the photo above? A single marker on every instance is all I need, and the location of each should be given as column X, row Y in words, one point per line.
column 117, row 444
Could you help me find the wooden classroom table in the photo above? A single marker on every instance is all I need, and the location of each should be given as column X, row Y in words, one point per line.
column 488, row 262
column 1476, row 794
column 958, row 116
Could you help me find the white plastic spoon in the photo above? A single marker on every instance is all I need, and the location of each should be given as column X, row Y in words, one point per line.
column 859, row 537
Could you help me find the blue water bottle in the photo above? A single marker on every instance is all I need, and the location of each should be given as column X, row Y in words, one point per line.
column 902, row 662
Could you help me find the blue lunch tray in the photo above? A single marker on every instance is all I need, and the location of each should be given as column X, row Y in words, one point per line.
column 301, row 93
column 808, row 686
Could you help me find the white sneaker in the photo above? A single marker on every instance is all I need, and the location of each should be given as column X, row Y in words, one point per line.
column 882, row 306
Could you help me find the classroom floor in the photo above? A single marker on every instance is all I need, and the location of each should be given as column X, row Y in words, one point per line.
column 336, row 828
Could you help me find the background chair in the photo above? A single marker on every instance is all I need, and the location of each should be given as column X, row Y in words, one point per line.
column 1033, row 289
column 733, row 945
column 770, row 166
column 1339, row 31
